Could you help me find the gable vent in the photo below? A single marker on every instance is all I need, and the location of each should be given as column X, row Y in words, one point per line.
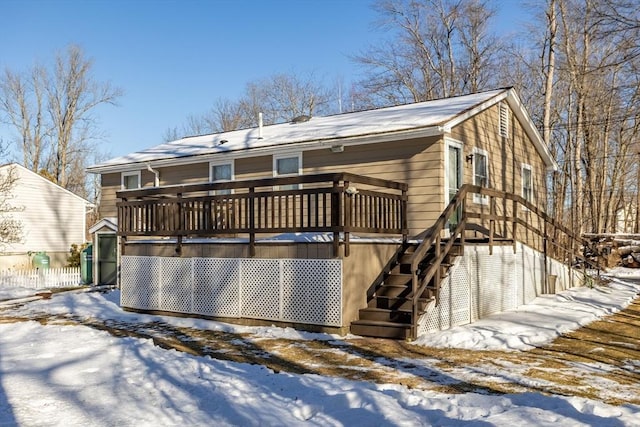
column 504, row 120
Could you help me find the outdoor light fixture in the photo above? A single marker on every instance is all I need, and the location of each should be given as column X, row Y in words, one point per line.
column 337, row 148
column 351, row 191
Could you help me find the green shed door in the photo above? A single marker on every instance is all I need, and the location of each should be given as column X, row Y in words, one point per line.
column 107, row 259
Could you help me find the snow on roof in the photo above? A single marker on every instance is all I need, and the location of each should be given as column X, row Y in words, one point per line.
column 370, row 123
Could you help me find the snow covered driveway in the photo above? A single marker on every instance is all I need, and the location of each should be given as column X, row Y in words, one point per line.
column 85, row 362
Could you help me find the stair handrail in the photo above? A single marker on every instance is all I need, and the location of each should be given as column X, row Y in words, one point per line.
column 432, row 237
column 544, row 217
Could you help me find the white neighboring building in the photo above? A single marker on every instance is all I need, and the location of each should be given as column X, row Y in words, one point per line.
column 52, row 219
column 626, row 219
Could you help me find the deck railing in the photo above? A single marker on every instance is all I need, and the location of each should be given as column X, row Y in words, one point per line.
column 497, row 216
column 334, row 202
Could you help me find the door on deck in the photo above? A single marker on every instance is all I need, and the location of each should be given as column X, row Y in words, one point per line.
column 453, row 176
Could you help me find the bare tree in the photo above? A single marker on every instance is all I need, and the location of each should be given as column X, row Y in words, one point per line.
column 73, row 95
column 10, row 225
column 52, row 111
column 440, row 48
column 279, row 98
column 22, row 102
column 282, row 97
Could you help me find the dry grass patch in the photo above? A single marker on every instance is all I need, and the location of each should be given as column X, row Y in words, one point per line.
column 599, row 361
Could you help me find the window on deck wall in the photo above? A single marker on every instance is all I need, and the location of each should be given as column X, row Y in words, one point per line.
column 480, row 173
column 527, row 183
column 221, row 172
column 130, row 180
column 287, row 165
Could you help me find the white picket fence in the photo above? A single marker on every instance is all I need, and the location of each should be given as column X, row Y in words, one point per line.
column 41, row 278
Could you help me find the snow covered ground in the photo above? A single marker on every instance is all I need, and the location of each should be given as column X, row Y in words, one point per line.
column 57, row 375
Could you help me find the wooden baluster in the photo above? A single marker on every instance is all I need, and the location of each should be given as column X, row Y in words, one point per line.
column 492, row 222
column 347, row 218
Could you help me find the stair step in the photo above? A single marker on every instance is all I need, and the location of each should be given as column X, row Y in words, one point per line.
column 398, row 303
column 379, row 329
column 398, row 279
column 385, row 315
column 401, row 269
column 405, row 258
column 393, row 290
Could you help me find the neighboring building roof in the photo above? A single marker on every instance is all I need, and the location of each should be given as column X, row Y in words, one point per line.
column 110, row 223
column 44, row 180
column 428, row 118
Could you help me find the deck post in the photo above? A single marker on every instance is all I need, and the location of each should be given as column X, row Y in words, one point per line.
column 252, row 222
column 181, row 225
column 403, row 217
column 515, row 224
column 348, row 200
column 492, row 222
column 336, row 211
column 121, row 222
column 436, row 276
column 463, row 216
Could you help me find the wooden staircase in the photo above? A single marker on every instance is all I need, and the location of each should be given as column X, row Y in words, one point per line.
column 389, row 313
column 411, row 279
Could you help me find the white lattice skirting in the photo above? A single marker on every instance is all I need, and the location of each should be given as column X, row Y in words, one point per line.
column 480, row 284
column 287, row 290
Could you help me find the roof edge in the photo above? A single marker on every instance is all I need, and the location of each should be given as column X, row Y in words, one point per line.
column 317, row 144
column 88, row 203
column 512, row 98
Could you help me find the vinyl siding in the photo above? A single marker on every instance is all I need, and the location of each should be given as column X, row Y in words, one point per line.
column 419, row 162
column 192, row 174
column 506, row 155
column 52, row 218
column 109, row 184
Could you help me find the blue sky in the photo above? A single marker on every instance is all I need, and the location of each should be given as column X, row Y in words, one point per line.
column 176, row 58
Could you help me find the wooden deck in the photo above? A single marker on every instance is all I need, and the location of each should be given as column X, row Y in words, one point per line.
column 339, row 203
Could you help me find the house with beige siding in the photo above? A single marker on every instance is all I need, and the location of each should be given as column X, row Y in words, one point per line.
column 388, row 222
column 51, row 218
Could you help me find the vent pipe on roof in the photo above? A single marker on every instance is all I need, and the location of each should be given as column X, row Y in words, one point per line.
column 259, row 125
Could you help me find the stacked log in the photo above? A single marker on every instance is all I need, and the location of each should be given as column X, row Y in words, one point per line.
column 617, row 250
column 629, row 255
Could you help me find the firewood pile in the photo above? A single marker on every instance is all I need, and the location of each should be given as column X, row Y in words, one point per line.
column 616, row 249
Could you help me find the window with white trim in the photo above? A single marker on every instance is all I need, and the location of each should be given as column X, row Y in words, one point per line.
column 221, row 172
column 130, row 180
column 504, row 120
column 287, row 165
column 527, row 183
column 480, row 173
